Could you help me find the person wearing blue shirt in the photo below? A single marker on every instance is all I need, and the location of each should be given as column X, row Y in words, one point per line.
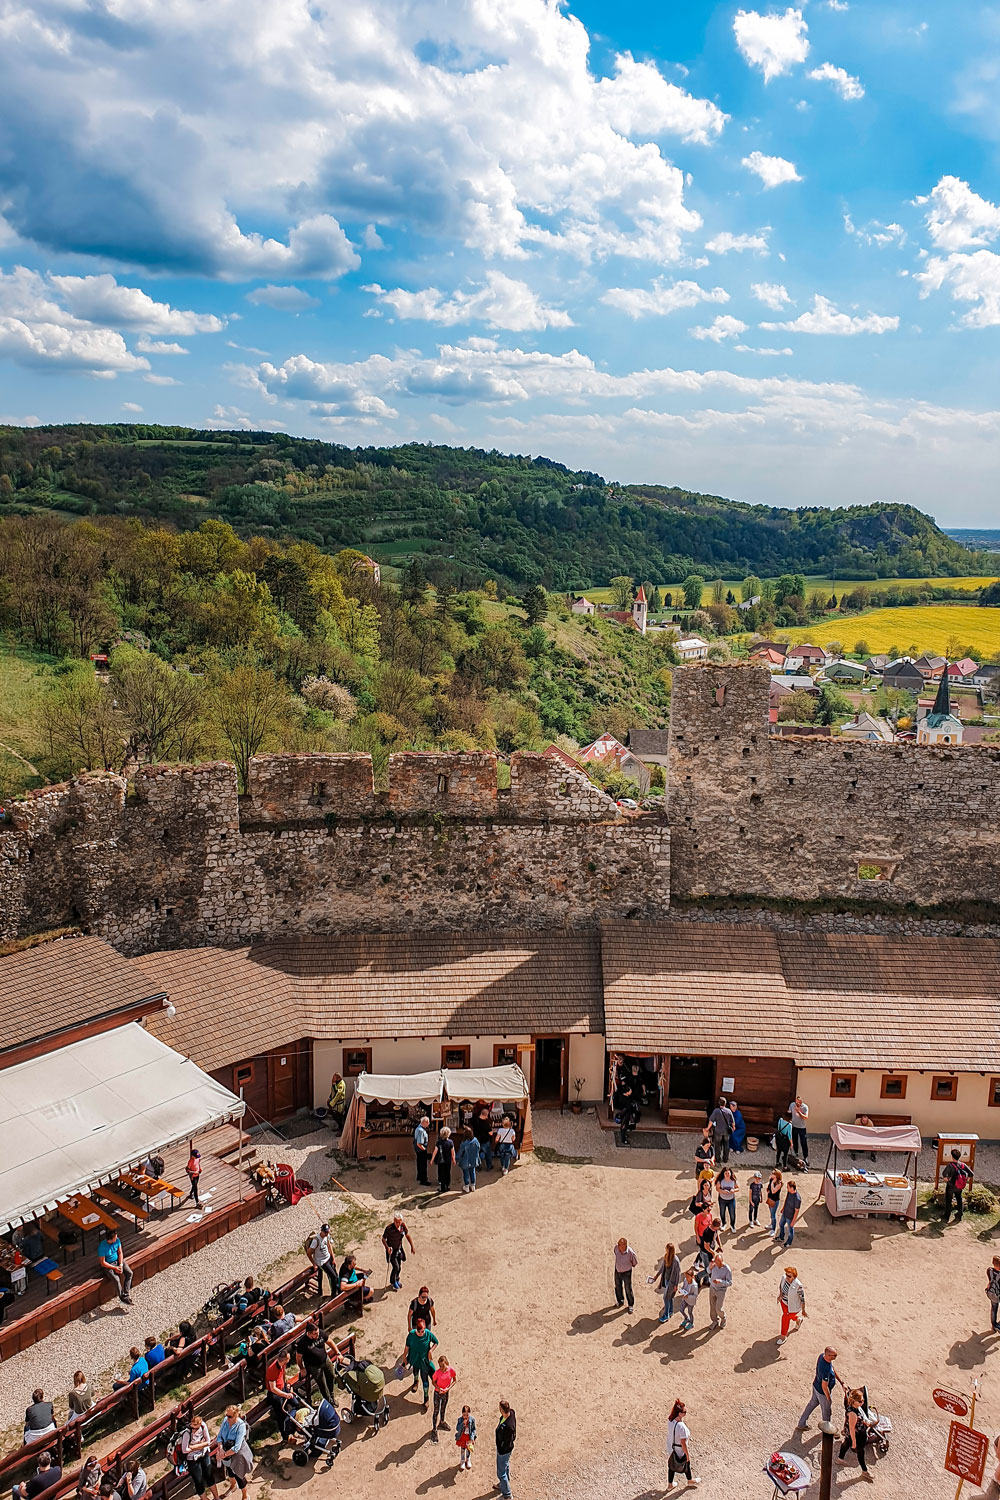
column 421, row 1149
column 139, row 1370
column 111, row 1259
column 824, row 1381
column 155, row 1351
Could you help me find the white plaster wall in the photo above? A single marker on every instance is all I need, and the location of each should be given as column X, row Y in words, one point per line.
column 970, row 1111
column 586, row 1061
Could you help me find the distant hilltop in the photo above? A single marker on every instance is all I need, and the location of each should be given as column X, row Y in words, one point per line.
column 469, row 515
column 977, row 540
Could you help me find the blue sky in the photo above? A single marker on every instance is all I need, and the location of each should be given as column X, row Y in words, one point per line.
column 755, row 252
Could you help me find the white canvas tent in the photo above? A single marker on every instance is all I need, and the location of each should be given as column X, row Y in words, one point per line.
column 77, row 1117
column 506, row 1085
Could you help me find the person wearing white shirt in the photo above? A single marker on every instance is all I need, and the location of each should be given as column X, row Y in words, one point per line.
column 678, row 1451
column 799, row 1112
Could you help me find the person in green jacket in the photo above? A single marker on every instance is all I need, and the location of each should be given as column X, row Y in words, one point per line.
column 417, row 1354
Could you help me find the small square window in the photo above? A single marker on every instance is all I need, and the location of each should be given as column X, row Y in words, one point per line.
column 893, row 1085
column 243, row 1075
column 504, row 1055
column 994, row 1099
column 357, row 1060
column 944, row 1087
column 454, row 1057
column 843, row 1085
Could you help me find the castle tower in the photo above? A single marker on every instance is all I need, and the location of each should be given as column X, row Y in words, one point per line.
column 639, row 610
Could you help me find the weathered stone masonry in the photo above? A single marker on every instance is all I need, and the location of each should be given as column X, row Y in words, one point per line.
column 178, row 859
column 752, row 814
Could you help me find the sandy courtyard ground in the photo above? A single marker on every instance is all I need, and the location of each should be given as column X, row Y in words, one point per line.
column 521, row 1273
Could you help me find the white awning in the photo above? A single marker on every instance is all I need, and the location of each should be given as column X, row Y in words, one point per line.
column 78, row 1116
column 400, row 1088
column 486, row 1083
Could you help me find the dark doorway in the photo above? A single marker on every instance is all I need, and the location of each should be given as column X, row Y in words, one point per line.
column 549, row 1065
column 692, row 1080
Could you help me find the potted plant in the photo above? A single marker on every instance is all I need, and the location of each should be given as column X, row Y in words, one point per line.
column 578, row 1083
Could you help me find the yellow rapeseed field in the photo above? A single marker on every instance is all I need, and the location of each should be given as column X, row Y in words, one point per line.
column 836, row 586
column 928, row 627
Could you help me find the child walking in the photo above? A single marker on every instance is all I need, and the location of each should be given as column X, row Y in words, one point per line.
column 465, row 1437
column 687, row 1296
column 755, row 1192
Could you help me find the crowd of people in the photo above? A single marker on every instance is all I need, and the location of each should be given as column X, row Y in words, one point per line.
column 475, row 1145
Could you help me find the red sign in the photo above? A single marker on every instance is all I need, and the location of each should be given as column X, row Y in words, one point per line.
column 966, row 1453
column 948, row 1401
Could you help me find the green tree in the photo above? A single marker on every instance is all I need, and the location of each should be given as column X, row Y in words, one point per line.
column 750, row 588
column 862, row 648
column 536, row 605
column 718, row 592
column 691, row 588
column 622, row 592
column 251, row 708
column 160, row 708
column 833, row 705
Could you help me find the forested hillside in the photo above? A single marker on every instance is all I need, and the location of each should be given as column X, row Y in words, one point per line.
column 470, row 515
column 212, row 645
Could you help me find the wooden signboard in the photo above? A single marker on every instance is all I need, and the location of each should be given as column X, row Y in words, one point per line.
column 966, row 1454
column 949, row 1401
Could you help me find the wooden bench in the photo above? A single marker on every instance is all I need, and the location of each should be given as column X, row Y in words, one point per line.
column 124, row 1205
column 52, row 1275
column 886, row 1119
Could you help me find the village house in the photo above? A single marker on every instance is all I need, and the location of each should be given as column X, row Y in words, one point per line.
column 986, row 675
column 845, row 671
column 903, row 675
column 582, row 606
column 963, row 671
column 692, row 648
column 811, row 656
column 652, row 746
column 771, row 657
column 866, row 726
column 608, row 751
column 930, row 667
column 876, row 665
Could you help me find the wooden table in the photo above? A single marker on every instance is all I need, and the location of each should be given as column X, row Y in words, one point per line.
column 84, row 1214
column 123, row 1205
column 151, row 1187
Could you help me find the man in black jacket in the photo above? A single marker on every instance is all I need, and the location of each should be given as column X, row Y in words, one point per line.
column 505, row 1435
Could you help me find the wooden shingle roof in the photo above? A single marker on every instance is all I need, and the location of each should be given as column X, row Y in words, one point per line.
column 825, row 1000
column 389, row 985
column 63, row 983
column 227, row 1006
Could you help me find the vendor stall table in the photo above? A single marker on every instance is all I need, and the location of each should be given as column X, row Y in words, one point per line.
column 849, row 1188
column 794, row 1477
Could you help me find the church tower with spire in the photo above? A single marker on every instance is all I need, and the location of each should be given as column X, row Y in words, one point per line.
column 940, row 726
column 639, row 610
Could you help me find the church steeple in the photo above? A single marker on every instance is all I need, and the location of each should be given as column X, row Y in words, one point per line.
column 942, row 703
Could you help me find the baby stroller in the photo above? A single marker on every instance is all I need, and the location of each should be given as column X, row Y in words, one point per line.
column 320, row 1427
column 879, row 1427
column 365, row 1384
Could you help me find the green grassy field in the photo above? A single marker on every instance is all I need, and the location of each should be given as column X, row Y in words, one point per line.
column 828, row 585
column 926, row 627
column 21, row 681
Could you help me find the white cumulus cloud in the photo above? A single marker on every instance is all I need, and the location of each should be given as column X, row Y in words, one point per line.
column 847, row 86
column 823, row 317
column 725, row 326
column 722, row 244
column 772, row 170
column 502, row 302
column 131, row 406
column 156, row 346
column 774, row 43
column 214, row 140
column 957, row 216
column 38, row 330
column 662, row 297
column 973, row 277
column 771, row 293
column 100, row 300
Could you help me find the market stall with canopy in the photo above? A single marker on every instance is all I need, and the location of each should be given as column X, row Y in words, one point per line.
column 853, row 1187
column 385, row 1107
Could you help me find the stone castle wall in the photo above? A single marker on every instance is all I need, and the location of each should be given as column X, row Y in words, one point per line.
column 177, row 858
column 794, row 818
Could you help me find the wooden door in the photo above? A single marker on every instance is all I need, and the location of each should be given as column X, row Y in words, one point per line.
column 282, row 1073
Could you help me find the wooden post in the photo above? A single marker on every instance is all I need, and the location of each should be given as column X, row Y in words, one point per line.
column 972, row 1423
